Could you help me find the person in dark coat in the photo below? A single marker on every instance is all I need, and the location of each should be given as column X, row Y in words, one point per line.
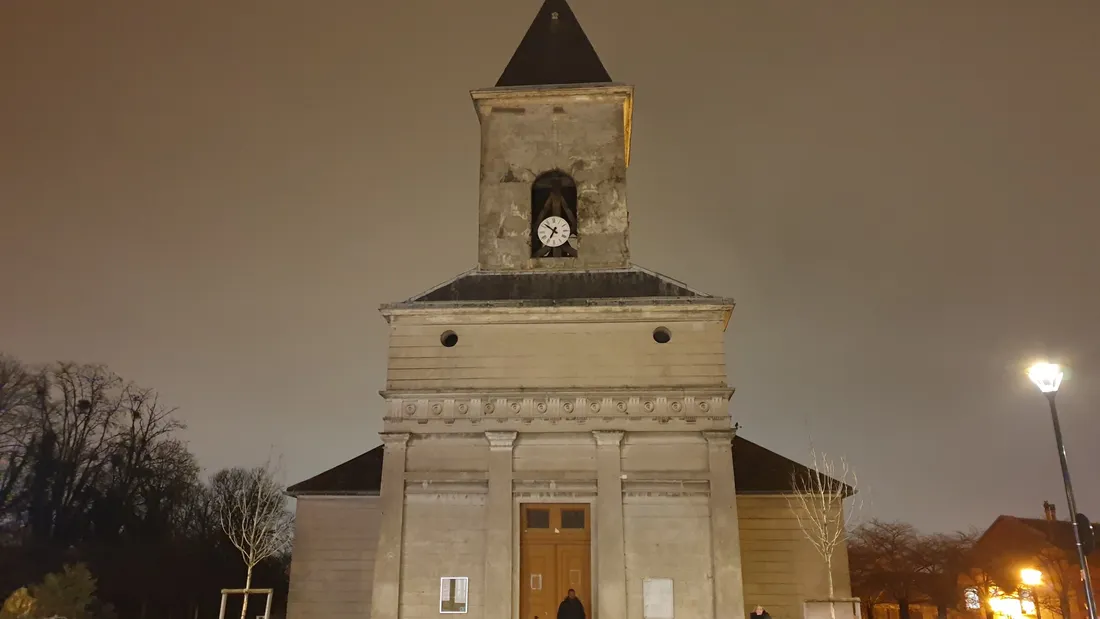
column 571, row 607
column 759, row 613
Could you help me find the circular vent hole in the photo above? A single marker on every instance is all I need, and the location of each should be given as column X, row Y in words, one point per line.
column 448, row 339
column 662, row 335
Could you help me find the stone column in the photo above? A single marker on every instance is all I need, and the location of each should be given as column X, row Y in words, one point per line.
column 498, row 527
column 386, row 598
column 725, row 533
column 610, row 545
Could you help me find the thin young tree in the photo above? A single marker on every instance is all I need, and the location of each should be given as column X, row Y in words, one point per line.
column 252, row 511
column 817, row 503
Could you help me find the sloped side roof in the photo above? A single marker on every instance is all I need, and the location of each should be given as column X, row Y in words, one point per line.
column 555, row 51
column 1057, row 533
column 756, row 471
column 557, row 286
column 360, row 475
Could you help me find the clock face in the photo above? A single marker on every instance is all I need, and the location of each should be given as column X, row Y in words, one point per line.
column 553, row 231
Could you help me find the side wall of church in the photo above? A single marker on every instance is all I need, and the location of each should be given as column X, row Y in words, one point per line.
column 444, row 536
column 332, row 566
column 669, row 537
column 597, row 355
column 780, row 566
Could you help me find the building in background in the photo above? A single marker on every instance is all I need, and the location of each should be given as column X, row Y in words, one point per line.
column 1028, row 568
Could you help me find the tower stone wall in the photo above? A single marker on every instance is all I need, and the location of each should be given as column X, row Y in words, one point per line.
column 580, row 130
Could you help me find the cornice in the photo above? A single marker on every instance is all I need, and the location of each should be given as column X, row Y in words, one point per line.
column 641, row 309
column 550, row 92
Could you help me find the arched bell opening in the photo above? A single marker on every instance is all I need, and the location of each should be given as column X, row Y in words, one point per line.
column 554, row 216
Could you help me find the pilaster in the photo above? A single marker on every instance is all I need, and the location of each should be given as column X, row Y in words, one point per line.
column 610, row 547
column 725, row 534
column 386, row 599
column 498, row 527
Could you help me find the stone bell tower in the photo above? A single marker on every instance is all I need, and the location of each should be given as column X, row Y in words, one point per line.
column 555, row 142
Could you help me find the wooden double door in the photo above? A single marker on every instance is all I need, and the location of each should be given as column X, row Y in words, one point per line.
column 555, row 549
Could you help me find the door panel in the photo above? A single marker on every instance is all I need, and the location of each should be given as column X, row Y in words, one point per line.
column 574, row 564
column 538, row 581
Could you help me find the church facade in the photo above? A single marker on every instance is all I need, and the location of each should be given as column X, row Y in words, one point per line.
column 556, row 418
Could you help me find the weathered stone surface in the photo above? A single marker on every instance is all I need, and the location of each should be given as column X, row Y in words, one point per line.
column 526, row 133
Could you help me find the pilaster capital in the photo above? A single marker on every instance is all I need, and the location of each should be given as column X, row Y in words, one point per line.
column 394, row 440
column 500, row 440
column 608, row 438
column 719, row 438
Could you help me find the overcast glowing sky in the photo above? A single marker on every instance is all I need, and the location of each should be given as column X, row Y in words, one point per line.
column 214, row 197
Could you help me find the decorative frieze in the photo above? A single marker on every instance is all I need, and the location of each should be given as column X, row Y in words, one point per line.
column 554, row 408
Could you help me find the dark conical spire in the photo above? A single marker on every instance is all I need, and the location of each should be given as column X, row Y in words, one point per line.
column 554, row 51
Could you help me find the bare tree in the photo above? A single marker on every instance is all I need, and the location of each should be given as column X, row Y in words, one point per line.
column 868, row 581
column 91, row 443
column 887, row 552
column 17, row 388
column 252, row 511
column 944, row 559
column 817, row 503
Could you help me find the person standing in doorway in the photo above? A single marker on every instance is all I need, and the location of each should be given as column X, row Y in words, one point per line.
column 759, row 613
column 571, row 607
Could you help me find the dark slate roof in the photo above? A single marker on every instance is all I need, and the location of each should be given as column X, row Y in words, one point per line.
column 360, row 475
column 557, row 286
column 554, row 51
column 1057, row 533
column 756, row 471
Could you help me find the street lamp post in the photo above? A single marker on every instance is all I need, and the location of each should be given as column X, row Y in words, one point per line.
column 1048, row 377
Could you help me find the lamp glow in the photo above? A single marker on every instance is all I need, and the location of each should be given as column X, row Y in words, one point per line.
column 1009, row 607
column 1046, row 376
column 1031, row 577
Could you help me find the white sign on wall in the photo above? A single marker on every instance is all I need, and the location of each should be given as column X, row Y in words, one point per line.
column 657, row 602
column 453, row 593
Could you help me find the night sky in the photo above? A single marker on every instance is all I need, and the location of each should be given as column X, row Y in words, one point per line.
column 214, row 197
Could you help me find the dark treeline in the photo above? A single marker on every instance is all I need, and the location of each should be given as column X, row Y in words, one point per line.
column 892, row 563
column 93, row 472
